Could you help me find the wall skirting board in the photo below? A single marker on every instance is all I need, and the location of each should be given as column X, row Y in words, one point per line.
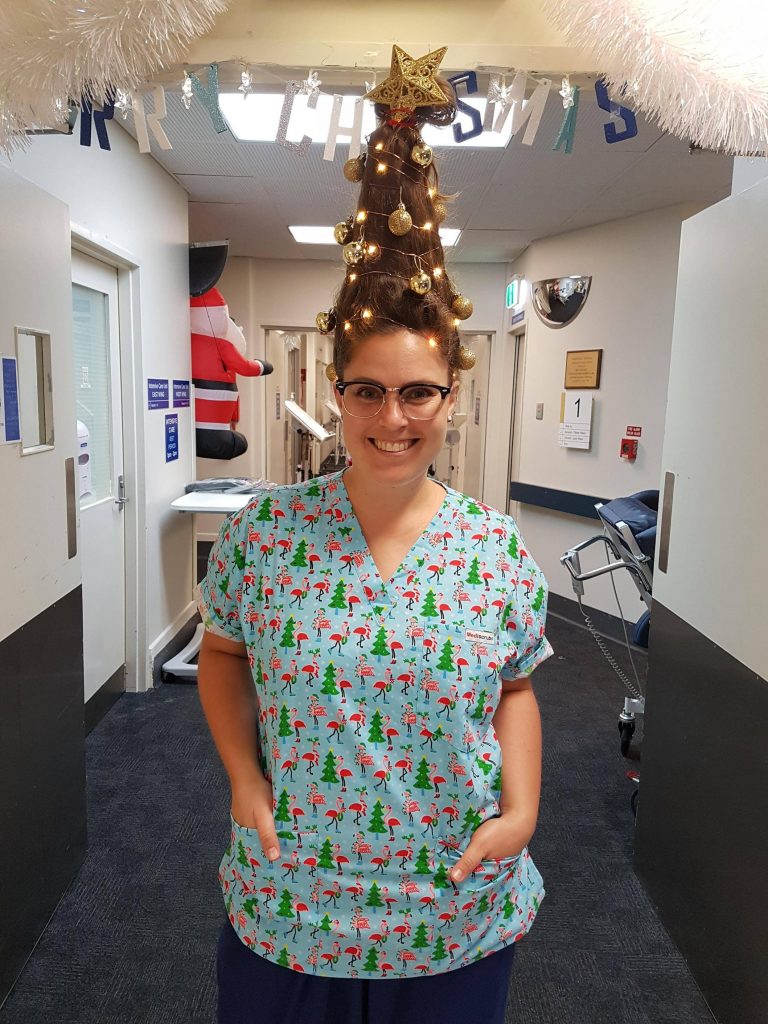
column 701, row 841
column 42, row 765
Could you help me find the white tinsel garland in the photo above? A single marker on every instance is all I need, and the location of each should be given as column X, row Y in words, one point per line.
column 56, row 50
column 699, row 69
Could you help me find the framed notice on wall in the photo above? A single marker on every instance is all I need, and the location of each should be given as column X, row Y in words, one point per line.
column 582, row 368
column 575, row 428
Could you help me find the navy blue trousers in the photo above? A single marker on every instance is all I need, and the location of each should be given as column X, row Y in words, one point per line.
column 253, row 990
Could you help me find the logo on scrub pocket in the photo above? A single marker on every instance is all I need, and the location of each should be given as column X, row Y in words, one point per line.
column 479, row 634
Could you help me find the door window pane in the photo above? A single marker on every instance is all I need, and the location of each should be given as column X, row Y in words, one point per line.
column 92, row 393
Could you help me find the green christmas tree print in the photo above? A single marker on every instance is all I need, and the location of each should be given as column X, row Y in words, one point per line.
column 422, row 780
column 288, row 639
column 472, row 820
column 473, row 576
column 420, row 940
column 338, row 600
column 482, row 904
column 371, row 960
column 284, row 959
column 249, row 906
column 441, row 877
column 259, row 599
column 299, row 559
column 439, row 952
column 224, row 585
column 313, row 491
column 538, row 601
column 281, row 811
column 374, row 896
column 239, row 556
column 285, row 908
column 242, row 857
column 375, row 731
column 329, row 768
column 509, row 907
column 473, row 509
column 377, row 825
column 329, row 686
column 284, row 728
column 380, row 648
column 479, row 713
column 264, row 514
column 421, row 865
column 512, row 546
column 445, row 663
column 325, row 860
column 429, row 608
column 326, row 923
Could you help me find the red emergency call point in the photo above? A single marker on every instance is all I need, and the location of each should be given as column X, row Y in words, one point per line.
column 628, row 448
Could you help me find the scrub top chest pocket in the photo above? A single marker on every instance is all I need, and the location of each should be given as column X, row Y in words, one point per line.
column 458, row 686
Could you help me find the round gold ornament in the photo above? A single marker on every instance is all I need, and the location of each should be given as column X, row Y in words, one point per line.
column 420, row 283
column 330, row 373
column 421, row 154
column 353, row 169
column 467, row 358
column 440, row 212
column 462, row 307
column 352, row 252
column 325, row 321
column 342, row 231
column 400, row 221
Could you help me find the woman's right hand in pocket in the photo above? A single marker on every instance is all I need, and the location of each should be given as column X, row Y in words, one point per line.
column 252, row 805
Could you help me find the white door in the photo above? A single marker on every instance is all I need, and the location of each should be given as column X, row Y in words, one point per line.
column 100, row 468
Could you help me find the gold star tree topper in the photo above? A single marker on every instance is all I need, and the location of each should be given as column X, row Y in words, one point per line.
column 411, row 81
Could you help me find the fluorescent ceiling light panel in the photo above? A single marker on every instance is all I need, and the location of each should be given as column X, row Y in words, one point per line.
column 322, row 235
column 255, row 118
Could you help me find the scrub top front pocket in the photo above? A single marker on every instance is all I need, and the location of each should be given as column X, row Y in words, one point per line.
column 458, row 687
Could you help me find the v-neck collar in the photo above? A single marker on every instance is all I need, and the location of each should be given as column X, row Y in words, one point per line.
column 382, row 595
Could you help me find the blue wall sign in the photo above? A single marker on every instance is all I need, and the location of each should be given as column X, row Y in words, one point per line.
column 171, row 438
column 180, row 394
column 517, row 318
column 157, row 393
column 10, row 404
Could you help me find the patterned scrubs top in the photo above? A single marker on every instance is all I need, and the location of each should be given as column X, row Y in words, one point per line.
column 375, row 707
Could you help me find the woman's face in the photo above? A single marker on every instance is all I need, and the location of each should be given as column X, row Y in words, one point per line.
column 394, row 360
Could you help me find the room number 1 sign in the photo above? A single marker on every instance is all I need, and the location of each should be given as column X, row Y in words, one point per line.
column 575, row 419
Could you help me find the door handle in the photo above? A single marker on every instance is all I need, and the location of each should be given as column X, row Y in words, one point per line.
column 121, row 499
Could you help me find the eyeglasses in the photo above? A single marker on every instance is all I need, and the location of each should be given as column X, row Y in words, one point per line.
column 418, row 401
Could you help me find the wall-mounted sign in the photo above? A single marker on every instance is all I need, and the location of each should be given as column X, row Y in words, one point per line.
column 575, row 419
column 517, row 318
column 582, row 368
column 10, row 422
column 634, row 431
column 171, row 437
column 513, row 293
column 180, row 394
column 157, row 393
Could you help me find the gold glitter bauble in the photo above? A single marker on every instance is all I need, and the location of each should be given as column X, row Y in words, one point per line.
column 353, row 169
column 467, row 358
column 440, row 212
column 325, row 321
column 352, row 252
column 330, row 373
column 462, row 307
column 421, row 154
column 400, row 221
column 420, row 283
column 342, row 232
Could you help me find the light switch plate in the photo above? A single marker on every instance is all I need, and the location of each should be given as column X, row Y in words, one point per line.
column 540, row 411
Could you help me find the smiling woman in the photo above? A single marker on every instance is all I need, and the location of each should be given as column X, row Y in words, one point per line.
column 359, row 630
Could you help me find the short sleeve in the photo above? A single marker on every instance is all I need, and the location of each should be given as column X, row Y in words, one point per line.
column 219, row 594
column 523, row 642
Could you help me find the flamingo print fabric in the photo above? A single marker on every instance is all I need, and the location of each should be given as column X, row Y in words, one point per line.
column 375, row 707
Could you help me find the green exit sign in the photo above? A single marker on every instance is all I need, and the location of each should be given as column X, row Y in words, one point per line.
column 513, row 294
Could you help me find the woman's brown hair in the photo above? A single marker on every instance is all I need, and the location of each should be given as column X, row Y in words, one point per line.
column 375, row 296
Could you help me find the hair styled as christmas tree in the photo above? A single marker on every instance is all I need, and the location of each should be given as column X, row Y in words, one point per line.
column 396, row 276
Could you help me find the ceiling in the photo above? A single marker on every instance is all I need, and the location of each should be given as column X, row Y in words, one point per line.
column 507, row 198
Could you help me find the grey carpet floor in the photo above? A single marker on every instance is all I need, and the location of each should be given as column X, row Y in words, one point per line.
column 133, row 941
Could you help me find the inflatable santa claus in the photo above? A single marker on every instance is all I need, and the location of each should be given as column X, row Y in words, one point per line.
column 218, row 356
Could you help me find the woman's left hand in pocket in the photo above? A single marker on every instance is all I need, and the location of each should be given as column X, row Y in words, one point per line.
column 504, row 836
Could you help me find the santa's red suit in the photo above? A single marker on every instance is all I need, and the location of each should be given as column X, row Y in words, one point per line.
column 218, row 348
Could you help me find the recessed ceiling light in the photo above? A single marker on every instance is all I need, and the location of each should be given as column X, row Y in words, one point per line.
column 255, row 118
column 308, row 234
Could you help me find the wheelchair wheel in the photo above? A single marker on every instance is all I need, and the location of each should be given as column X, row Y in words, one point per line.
column 626, row 732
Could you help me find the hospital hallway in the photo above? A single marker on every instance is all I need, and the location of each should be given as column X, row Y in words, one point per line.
column 129, row 944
